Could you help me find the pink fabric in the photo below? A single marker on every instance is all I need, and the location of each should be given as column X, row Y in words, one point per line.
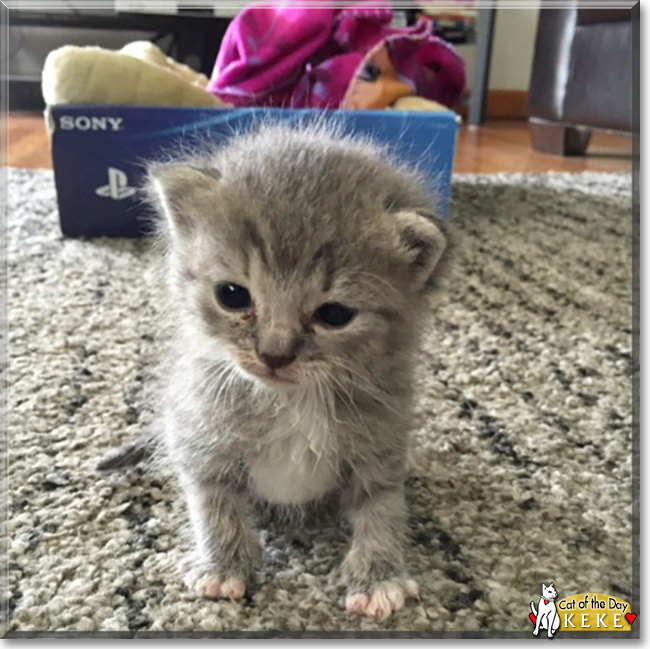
column 287, row 56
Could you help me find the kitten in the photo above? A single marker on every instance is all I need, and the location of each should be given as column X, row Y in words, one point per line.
column 298, row 262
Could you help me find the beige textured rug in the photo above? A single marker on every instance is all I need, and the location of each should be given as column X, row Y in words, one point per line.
column 522, row 462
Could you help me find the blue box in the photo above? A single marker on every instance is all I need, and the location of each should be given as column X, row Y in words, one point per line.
column 99, row 152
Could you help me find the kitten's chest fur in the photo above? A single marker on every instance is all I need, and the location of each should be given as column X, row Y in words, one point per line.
column 295, row 458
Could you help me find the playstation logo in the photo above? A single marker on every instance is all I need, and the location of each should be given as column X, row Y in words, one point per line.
column 118, row 186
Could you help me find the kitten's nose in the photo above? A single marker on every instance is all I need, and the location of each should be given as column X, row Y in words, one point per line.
column 276, row 362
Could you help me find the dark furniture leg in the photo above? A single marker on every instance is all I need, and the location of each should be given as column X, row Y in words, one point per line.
column 484, row 31
column 559, row 139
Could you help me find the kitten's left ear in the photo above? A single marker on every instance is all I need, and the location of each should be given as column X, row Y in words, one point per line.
column 185, row 194
column 422, row 244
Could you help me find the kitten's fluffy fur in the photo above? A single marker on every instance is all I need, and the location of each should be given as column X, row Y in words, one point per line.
column 300, row 217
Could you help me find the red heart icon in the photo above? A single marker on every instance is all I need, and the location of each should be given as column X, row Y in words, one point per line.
column 630, row 617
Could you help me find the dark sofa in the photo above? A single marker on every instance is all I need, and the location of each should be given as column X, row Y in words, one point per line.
column 581, row 78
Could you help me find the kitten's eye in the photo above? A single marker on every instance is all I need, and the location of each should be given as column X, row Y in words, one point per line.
column 233, row 296
column 334, row 314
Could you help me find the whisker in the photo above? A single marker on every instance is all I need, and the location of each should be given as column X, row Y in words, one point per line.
column 372, row 276
column 364, row 385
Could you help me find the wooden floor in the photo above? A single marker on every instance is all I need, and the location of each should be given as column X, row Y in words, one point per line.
column 498, row 146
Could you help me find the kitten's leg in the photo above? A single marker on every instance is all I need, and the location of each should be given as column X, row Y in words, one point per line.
column 374, row 567
column 227, row 548
column 538, row 621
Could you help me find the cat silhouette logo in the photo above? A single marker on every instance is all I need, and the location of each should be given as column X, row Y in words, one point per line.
column 546, row 615
column 118, row 186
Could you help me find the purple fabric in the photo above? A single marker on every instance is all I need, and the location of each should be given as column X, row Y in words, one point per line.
column 287, row 56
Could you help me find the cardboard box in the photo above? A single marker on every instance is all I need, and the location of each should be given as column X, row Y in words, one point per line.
column 99, row 153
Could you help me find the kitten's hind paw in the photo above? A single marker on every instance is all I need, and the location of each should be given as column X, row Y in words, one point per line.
column 383, row 598
column 215, row 586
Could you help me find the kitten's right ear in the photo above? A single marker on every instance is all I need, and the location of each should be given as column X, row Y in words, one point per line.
column 184, row 194
column 422, row 244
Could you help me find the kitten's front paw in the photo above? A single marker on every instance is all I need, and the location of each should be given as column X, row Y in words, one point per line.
column 215, row 585
column 383, row 598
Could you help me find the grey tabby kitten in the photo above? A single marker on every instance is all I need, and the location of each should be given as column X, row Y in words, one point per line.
column 298, row 264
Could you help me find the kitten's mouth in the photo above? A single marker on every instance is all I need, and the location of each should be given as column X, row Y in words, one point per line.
column 271, row 377
column 266, row 375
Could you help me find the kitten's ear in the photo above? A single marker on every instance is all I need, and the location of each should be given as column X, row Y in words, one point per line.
column 422, row 244
column 543, row 586
column 184, row 193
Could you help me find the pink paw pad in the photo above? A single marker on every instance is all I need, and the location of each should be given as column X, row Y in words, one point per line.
column 356, row 603
column 233, row 588
column 383, row 599
column 216, row 587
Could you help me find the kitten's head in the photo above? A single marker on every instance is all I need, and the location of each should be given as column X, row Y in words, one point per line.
column 549, row 591
column 300, row 255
